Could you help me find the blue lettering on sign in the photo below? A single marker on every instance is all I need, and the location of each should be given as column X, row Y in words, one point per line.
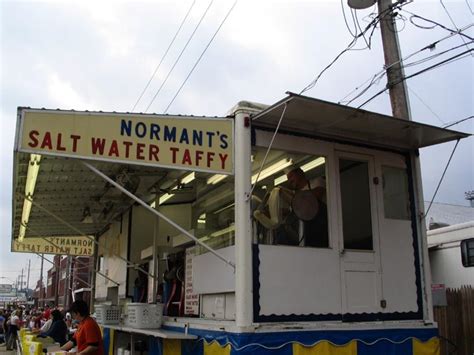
column 127, row 127
column 224, row 143
column 184, row 136
column 197, row 137
column 140, row 129
column 170, row 134
column 154, row 130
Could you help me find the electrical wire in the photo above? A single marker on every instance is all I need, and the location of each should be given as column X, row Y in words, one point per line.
column 426, row 105
column 435, row 24
column 449, row 60
column 452, row 21
column 268, row 150
column 441, row 179
column 356, row 21
column 376, row 77
column 469, row 6
column 164, row 55
column 449, row 15
column 373, row 25
column 202, row 54
column 345, row 20
column 180, row 54
column 423, row 60
column 457, row 122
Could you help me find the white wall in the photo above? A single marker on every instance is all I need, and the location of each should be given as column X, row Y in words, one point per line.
column 112, row 243
column 143, row 227
column 296, row 280
column 445, row 259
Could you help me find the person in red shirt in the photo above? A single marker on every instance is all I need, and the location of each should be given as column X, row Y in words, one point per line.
column 47, row 312
column 88, row 337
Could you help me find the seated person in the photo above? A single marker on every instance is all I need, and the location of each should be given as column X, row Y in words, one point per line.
column 58, row 330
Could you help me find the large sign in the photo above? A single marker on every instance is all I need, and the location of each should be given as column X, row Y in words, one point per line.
column 77, row 246
column 5, row 288
column 190, row 143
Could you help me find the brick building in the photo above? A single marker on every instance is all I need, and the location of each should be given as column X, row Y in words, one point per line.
column 68, row 279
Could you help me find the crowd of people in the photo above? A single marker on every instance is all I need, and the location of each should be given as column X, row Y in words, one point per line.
column 71, row 329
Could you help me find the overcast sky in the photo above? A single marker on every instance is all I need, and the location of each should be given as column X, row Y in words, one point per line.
column 92, row 55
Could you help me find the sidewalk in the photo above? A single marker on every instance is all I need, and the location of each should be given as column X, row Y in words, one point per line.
column 3, row 350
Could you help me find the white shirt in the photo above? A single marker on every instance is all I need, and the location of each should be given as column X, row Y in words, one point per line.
column 46, row 326
column 15, row 320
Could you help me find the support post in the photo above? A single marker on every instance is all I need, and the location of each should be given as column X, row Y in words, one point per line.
column 41, row 297
column 155, row 261
column 28, row 279
column 243, row 226
column 401, row 109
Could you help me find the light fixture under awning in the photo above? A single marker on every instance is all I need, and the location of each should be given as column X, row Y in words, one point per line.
column 322, row 119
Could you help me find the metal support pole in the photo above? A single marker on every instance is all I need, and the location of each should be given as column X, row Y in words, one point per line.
column 243, row 226
column 68, row 261
column 28, row 279
column 401, row 109
column 41, row 297
column 157, row 213
column 155, row 260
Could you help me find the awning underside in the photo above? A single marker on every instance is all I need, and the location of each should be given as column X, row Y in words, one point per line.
column 323, row 119
column 77, row 196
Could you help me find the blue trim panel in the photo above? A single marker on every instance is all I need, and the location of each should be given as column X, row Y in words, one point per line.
column 307, row 338
column 416, row 247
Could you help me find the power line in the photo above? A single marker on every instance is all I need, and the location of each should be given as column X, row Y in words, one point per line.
column 180, row 54
column 202, row 54
column 376, row 78
column 164, row 55
column 441, row 179
column 459, row 121
column 426, row 59
column 469, row 6
column 426, row 105
column 418, row 73
column 372, row 24
column 434, row 24
column 345, row 20
column 452, row 21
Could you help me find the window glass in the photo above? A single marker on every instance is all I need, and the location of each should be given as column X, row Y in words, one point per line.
column 289, row 204
column 355, row 199
column 201, row 203
column 467, row 252
column 281, row 216
column 395, row 193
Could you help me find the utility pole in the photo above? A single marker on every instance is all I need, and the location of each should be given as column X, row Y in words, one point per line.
column 401, row 109
column 67, row 283
column 28, row 278
column 41, row 297
column 395, row 74
column 21, row 280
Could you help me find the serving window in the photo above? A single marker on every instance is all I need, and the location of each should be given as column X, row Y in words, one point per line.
column 289, row 202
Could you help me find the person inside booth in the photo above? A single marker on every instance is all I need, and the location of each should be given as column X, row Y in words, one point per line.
column 297, row 214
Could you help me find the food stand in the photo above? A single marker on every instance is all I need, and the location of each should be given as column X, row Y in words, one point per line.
column 174, row 205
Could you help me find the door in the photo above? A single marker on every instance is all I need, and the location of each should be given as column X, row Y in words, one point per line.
column 359, row 235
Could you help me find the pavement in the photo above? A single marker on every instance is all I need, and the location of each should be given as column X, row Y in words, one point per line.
column 3, row 350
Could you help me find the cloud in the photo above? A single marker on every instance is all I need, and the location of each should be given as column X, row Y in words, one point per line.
column 63, row 94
